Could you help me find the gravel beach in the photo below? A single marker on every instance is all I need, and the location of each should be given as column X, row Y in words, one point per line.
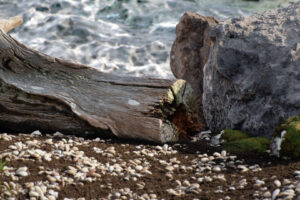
column 57, row 166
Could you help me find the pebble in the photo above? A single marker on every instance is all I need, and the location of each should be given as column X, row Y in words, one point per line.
column 33, row 194
column 139, row 168
column 243, row 168
column 297, row 172
column 277, row 183
column 204, row 159
column 22, row 171
column 289, row 192
column 275, row 193
column 259, row 183
column 208, row 179
column 217, row 169
column 223, row 153
column 267, row 194
column 173, row 192
column 205, row 168
column 169, row 168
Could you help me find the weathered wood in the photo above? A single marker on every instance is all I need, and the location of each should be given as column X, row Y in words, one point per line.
column 11, row 23
column 38, row 91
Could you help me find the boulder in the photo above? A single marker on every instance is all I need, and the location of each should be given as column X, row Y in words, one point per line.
column 236, row 141
column 286, row 139
column 190, row 51
column 252, row 77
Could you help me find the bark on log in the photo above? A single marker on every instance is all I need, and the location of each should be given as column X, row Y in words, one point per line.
column 38, row 91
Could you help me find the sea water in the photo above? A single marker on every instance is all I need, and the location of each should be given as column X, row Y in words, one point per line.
column 125, row 37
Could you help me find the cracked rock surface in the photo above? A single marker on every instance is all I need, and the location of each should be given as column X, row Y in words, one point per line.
column 252, row 77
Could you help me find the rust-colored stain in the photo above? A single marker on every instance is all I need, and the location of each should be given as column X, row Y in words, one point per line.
column 186, row 124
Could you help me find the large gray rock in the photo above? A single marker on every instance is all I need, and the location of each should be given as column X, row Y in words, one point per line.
column 252, row 76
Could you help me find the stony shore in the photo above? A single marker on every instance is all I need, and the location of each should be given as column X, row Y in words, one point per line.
column 67, row 167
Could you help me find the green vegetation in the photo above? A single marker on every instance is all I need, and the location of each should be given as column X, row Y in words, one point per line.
column 251, row 144
column 232, row 135
column 2, row 164
column 290, row 146
column 236, row 141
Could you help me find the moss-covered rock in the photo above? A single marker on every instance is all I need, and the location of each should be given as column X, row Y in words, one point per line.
column 286, row 140
column 232, row 135
column 250, row 144
column 228, row 135
column 236, row 141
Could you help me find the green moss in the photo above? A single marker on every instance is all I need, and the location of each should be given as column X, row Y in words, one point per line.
column 232, row 135
column 291, row 122
column 290, row 146
column 252, row 144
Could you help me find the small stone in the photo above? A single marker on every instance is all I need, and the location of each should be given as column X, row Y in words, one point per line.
column 173, row 192
column 297, row 172
column 286, row 182
column 223, row 153
column 117, row 194
column 139, row 168
column 217, row 169
column 208, row 179
column 170, row 168
column 243, row 168
column 220, row 177
column 289, row 192
column 36, row 133
column 169, row 176
column 267, row 194
column 217, row 154
column 259, row 183
column 275, row 193
column 47, row 157
column 165, row 147
column 186, row 183
column 205, row 159
column 277, row 183
column 178, row 182
column 232, row 188
column 200, row 180
column 22, row 171
column 33, row 194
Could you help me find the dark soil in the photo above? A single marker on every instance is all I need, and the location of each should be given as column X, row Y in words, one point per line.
column 158, row 183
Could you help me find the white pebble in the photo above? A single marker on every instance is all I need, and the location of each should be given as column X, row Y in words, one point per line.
column 267, row 194
column 36, row 133
column 22, row 171
column 297, row 172
column 207, row 179
column 217, row 154
column 277, row 183
column 217, row 169
column 223, row 153
column 259, row 183
column 173, row 192
column 33, row 194
column 139, row 168
column 275, row 193
column 289, row 192
column 205, row 159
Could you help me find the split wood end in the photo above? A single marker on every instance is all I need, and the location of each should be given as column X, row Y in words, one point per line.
column 11, row 23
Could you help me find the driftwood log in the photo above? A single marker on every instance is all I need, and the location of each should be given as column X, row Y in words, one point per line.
column 41, row 92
